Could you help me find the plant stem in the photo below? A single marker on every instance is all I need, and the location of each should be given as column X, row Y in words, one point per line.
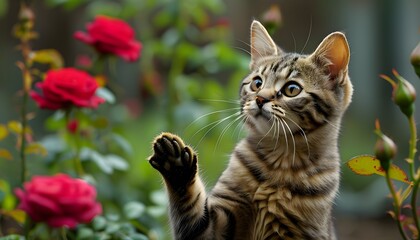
column 414, row 204
column 416, row 179
column 396, row 206
column 23, row 138
column 78, row 167
column 25, row 67
column 413, row 144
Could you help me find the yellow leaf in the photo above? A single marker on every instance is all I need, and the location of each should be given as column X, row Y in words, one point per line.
column 367, row 165
column 15, row 127
column 47, row 56
column 3, row 132
column 4, row 153
column 36, row 148
column 17, row 214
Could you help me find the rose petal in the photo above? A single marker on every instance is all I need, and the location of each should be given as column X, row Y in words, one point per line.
column 59, row 200
column 62, row 221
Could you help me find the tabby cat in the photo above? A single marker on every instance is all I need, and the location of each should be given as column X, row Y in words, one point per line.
column 282, row 178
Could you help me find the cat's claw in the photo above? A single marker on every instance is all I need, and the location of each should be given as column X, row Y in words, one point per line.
column 174, row 160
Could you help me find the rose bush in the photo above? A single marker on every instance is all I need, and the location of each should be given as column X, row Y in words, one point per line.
column 59, row 201
column 67, row 87
column 111, row 36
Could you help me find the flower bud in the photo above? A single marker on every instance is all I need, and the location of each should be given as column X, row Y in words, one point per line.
column 26, row 13
column 272, row 19
column 385, row 150
column 404, row 95
column 415, row 59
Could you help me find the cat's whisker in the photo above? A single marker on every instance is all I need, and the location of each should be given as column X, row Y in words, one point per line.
column 246, row 117
column 271, row 120
column 333, row 125
column 241, row 124
column 252, row 47
column 211, row 113
column 243, row 50
column 220, row 100
column 277, row 132
column 225, row 130
column 293, row 140
column 303, row 134
column 214, row 125
column 307, row 39
column 285, row 136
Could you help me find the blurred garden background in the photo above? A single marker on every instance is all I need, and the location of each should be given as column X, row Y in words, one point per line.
column 193, row 57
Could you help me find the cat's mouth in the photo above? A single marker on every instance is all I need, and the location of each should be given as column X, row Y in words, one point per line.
column 263, row 114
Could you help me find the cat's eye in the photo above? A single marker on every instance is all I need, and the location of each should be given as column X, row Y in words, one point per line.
column 291, row 89
column 256, row 83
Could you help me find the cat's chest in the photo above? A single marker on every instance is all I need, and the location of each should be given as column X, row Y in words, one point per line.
column 280, row 214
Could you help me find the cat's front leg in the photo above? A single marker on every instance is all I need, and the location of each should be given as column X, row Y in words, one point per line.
column 187, row 197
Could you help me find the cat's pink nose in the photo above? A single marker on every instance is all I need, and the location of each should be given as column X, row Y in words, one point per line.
column 261, row 101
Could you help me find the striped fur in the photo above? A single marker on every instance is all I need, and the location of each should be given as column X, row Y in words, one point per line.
column 282, row 178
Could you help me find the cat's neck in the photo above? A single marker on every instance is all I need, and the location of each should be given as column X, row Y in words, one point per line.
column 304, row 144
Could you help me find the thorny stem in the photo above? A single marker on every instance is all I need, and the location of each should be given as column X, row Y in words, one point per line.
column 416, row 179
column 413, row 143
column 26, row 27
column 78, row 167
column 396, row 205
column 23, row 138
column 414, row 204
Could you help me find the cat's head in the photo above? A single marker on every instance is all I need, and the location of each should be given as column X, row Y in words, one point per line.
column 289, row 92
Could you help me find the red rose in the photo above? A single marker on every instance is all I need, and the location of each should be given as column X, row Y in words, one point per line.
column 73, row 126
column 111, row 36
column 60, row 201
column 67, row 87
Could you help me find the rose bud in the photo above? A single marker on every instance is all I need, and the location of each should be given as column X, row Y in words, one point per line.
column 415, row 59
column 272, row 18
column 385, row 149
column 404, row 95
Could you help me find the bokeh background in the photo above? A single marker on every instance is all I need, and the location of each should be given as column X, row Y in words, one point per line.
column 194, row 56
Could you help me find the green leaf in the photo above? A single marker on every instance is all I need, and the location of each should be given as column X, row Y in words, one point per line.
column 99, row 223
column 116, row 162
column 134, row 210
column 97, row 158
column 85, row 233
column 367, row 165
column 36, row 148
column 107, row 8
column 8, row 200
column 12, row 237
column 121, row 142
column 4, row 153
column 106, row 94
column 3, row 132
column 3, row 7
column 100, row 122
column 47, row 56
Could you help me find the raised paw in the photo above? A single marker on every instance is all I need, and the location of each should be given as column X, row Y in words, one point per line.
column 174, row 160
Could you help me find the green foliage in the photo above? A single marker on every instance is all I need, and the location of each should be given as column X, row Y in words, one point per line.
column 189, row 74
column 403, row 95
column 3, row 7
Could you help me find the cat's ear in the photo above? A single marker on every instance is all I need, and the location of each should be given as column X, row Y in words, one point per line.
column 262, row 44
column 333, row 53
